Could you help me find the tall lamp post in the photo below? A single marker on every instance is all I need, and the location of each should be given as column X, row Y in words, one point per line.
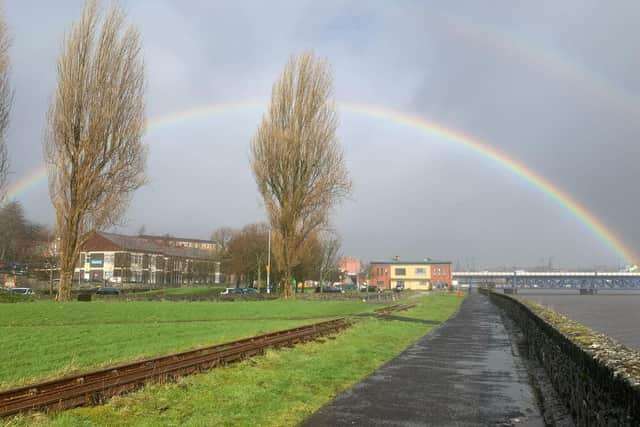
column 269, row 262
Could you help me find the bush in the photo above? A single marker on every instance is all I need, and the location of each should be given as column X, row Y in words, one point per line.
column 10, row 297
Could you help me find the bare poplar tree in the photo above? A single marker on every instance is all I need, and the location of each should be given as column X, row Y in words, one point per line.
column 96, row 121
column 297, row 161
column 6, row 98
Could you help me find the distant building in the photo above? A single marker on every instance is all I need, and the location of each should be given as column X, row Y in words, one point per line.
column 423, row 275
column 180, row 242
column 349, row 268
column 350, row 265
column 108, row 257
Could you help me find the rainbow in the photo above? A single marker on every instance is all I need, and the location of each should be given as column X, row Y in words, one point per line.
column 595, row 225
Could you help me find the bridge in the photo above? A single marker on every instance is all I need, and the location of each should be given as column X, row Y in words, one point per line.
column 550, row 279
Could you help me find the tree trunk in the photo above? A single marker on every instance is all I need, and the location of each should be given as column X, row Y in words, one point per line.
column 68, row 257
column 287, row 285
column 64, row 288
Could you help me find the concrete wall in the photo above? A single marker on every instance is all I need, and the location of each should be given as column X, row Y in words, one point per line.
column 596, row 392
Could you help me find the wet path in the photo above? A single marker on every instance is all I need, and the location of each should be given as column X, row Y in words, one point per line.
column 465, row 373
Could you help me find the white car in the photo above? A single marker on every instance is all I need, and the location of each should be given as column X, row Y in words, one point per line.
column 23, row 291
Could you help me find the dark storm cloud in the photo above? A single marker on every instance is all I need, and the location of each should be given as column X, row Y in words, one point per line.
column 553, row 85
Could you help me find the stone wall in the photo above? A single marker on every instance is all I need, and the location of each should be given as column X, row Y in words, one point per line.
column 598, row 378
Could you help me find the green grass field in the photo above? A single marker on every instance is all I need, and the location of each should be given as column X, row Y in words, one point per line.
column 281, row 388
column 46, row 339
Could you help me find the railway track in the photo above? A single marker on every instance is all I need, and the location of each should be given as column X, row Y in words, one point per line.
column 394, row 308
column 95, row 387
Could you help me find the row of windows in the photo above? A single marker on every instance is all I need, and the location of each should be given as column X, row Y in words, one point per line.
column 440, row 271
column 420, row 271
column 400, row 283
column 379, row 271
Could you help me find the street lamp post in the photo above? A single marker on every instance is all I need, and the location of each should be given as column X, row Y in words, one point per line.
column 269, row 262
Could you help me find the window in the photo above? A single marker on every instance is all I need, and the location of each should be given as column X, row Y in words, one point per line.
column 421, row 271
column 401, row 271
column 400, row 284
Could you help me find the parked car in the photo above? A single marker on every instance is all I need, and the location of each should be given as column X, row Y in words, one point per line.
column 249, row 291
column 328, row 289
column 108, row 291
column 23, row 291
column 231, row 291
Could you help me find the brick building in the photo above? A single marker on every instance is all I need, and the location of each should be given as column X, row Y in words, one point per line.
column 423, row 275
column 349, row 268
column 115, row 258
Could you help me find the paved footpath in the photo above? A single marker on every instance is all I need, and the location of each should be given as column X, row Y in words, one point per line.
column 465, row 373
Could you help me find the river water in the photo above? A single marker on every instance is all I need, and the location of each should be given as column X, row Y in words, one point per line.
column 615, row 313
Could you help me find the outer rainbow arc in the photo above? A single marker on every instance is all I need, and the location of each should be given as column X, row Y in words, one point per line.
column 587, row 218
column 579, row 211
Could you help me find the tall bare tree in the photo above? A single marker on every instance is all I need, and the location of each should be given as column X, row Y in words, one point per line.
column 6, row 98
column 330, row 244
column 96, row 121
column 297, row 161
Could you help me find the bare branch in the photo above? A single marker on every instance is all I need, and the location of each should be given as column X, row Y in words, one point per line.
column 96, row 121
column 296, row 159
column 6, row 99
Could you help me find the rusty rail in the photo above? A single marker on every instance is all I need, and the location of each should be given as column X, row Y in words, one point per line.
column 95, row 387
column 394, row 308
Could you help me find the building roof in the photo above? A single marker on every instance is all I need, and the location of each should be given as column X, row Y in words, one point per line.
column 400, row 262
column 174, row 239
column 103, row 241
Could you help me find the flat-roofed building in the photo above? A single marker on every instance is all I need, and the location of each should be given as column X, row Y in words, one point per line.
column 421, row 275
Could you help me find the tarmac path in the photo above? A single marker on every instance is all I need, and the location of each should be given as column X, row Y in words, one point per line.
column 466, row 372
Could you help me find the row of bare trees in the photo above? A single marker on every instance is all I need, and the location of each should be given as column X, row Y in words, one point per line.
column 21, row 240
column 96, row 157
column 244, row 255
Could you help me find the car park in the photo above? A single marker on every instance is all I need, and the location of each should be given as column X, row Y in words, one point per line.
column 108, row 291
column 328, row 289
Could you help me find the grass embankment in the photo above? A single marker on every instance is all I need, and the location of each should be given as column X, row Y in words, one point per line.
column 281, row 388
column 175, row 293
column 46, row 339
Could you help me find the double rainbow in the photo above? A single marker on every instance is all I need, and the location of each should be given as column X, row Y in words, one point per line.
column 597, row 227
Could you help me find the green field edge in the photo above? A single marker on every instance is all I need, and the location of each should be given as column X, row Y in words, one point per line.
column 283, row 387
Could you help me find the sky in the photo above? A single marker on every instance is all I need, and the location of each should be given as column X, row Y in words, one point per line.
column 553, row 85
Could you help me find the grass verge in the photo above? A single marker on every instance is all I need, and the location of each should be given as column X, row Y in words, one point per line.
column 281, row 388
column 46, row 339
column 196, row 291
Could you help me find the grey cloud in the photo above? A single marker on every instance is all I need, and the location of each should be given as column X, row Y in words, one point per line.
column 415, row 195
